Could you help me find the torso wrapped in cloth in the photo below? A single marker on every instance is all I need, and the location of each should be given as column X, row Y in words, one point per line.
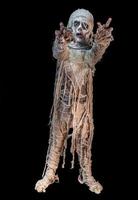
column 77, row 50
column 72, row 106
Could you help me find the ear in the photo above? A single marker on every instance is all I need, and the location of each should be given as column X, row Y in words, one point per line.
column 91, row 38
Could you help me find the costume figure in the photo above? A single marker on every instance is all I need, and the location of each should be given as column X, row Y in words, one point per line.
column 77, row 50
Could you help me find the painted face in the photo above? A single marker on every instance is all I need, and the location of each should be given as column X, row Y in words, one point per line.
column 82, row 30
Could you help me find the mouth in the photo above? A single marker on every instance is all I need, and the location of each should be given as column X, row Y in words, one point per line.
column 79, row 35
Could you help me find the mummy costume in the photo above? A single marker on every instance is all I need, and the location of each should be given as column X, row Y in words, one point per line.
column 77, row 50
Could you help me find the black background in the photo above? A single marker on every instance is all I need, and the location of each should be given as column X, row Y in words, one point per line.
column 27, row 94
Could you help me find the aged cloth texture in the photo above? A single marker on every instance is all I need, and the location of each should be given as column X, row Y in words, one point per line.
column 77, row 51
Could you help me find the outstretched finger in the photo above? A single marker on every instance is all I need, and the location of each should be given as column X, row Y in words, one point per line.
column 57, row 33
column 108, row 22
column 61, row 26
column 99, row 24
column 111, row 29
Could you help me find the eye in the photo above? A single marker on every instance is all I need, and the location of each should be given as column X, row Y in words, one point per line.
column 76, row 23
column 85, row 26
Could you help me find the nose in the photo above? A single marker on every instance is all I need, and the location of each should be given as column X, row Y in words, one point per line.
column 80, row 28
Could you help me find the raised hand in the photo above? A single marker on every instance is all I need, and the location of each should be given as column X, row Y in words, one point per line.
column 63, row 34
column 103, row 34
